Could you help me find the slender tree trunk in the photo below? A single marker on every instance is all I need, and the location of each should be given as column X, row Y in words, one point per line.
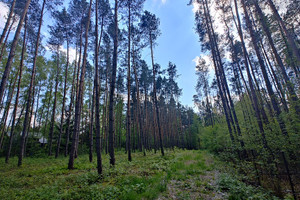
column 277, row 84
column 12, row 51
column 254, row 98
column 91, row 125
column 7, row 24
column 225, row 85
column 105, row 116
column 139, row 106
column 17, row 96
column 264, row 72
column 51, row 131
column 48, row 110
column 63, row 106
column 78, row 106
column 290, row 40
column 111, row 129
column 79, row 62
column 37, row 107
column 290, row 87
column 97, row 90
column 40, row 117
column 128, row 84
column 30, row 116
column 223, row 99
column 6, row 38
column 7, row 108
column 71, row 107
column 155, row 100
column 289, row 53
column 147, row 118
column 25, row 124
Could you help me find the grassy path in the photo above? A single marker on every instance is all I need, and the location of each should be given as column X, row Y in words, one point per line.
column 193, row 177
column 177, row 175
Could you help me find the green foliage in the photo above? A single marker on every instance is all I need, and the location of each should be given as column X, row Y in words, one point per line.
column 215, row 139
column 238, row 190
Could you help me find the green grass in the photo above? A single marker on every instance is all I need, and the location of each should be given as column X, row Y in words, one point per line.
column 49, row 178
column 143, row 178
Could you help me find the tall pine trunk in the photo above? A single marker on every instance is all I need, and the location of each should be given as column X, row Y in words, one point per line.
column 128, row 85
column 27, row 112
column 140, row 121
column 7, row 24
column 290, row 40
column 51, row 131
column 264, row 72
column 7, row 108
column 253, row 97
column 12, row 51
column 155, row 100
column 111, row 129
column 63, row 106
column 71, row 106
column 97, row 90
column 78, row 106
column 17, row 96
column 6, row 38
column 289, row 85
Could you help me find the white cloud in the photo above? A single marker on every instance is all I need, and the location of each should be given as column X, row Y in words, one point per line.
column 72, row 51
column 3, row 14
column 196, row 60
column 208, row 62
column 157, row 3
column 196, row 7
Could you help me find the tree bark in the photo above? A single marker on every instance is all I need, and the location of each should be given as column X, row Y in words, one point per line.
column 25, row 124
column 97, row 90
column 289, row 85
column 51, row 131
column 71, row 107
column 139, row 106
column 12, row 51
column 253, row 97
column 63, row 106
column 6, row 38
column 7, row 108
column 290, row 40
column 7, row 24
column 78, row 106
column 264, row 72
column 91, row 124
column 155, row 100
column 111, row 129
column 128, row 85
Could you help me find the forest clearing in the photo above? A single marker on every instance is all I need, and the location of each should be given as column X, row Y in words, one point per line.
column 150, row 99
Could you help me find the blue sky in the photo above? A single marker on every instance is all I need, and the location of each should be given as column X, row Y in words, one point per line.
column 178, row 42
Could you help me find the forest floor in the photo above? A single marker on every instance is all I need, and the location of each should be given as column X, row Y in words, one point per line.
column 180, row 174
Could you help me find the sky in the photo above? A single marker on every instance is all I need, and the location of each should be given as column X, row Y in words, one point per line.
column 178, row 42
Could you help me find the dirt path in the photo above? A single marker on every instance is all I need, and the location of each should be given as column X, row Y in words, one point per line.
column 195, row 178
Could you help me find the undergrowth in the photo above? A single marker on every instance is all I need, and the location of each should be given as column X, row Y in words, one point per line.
column 143, row 178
